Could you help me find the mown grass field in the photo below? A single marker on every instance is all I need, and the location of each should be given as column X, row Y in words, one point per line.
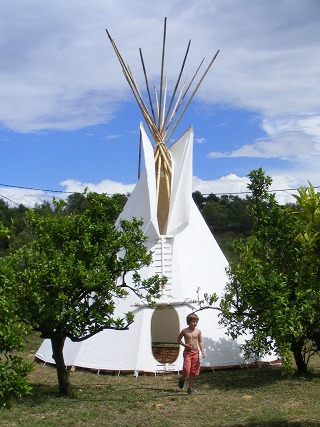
column 235, row 397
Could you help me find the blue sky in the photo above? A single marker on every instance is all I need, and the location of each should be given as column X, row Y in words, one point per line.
column 68, row 119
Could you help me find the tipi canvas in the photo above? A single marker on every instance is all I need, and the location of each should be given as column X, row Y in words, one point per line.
column 184, row 250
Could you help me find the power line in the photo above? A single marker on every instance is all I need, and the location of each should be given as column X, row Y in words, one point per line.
column 36, row 189
column 249, row 192
column 204, row 194
column 7, row 198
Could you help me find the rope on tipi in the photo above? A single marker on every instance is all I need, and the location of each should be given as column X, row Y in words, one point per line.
column 161, row 120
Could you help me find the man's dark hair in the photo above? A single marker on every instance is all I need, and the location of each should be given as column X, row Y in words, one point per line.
column 191, row 317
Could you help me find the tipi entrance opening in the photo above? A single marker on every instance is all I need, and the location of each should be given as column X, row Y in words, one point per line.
column 165, row 329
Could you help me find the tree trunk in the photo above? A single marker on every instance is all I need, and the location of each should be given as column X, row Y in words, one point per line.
column 297, row 348
column 63, row 378
column 316, row 338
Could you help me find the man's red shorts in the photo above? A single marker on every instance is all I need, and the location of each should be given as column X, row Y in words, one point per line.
column 191, row 363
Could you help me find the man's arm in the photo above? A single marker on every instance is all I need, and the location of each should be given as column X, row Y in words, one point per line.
column 185, row 345
column 203, row 353
column 181, row 335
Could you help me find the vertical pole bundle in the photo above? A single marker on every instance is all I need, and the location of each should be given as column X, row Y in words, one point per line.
column 162, row 122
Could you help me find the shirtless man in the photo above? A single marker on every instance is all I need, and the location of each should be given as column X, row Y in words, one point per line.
column 192, row 342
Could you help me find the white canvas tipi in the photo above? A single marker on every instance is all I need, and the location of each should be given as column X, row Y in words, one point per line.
column 184, row 251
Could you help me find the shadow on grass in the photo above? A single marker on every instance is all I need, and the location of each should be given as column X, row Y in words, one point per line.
column 40, row 394
column 249, row 378
column 224, row 380
column 279, row 423
column 46, row 394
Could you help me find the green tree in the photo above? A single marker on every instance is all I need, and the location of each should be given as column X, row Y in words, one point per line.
column 227, row 217
column 216, row 216
column 274, row 289
column 13, row 369
column 70, row 275
column 5, row 222
column 13, row 219
column 308, row 212
column 198, row 199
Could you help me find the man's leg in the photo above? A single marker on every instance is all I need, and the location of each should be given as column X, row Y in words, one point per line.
column 185, row 369
column 191, row 380
column 195, row 369
column 181, row 382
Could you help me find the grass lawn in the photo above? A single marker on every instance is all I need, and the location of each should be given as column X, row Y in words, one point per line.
column 234, row 397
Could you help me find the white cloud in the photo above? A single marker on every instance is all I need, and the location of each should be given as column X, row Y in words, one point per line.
column 199, row 140
column 30, row 197
column 295, row 139
column 58, row 71
column 105, row 186
column 108, row 137
column 64, row 75
column 227, row 184
column 290, row 145
column 237, row 186
column 27, row 197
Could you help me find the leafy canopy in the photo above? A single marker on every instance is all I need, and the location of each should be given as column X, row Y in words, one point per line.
column 13, row 369
column 274, row 288
column 75, row 268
